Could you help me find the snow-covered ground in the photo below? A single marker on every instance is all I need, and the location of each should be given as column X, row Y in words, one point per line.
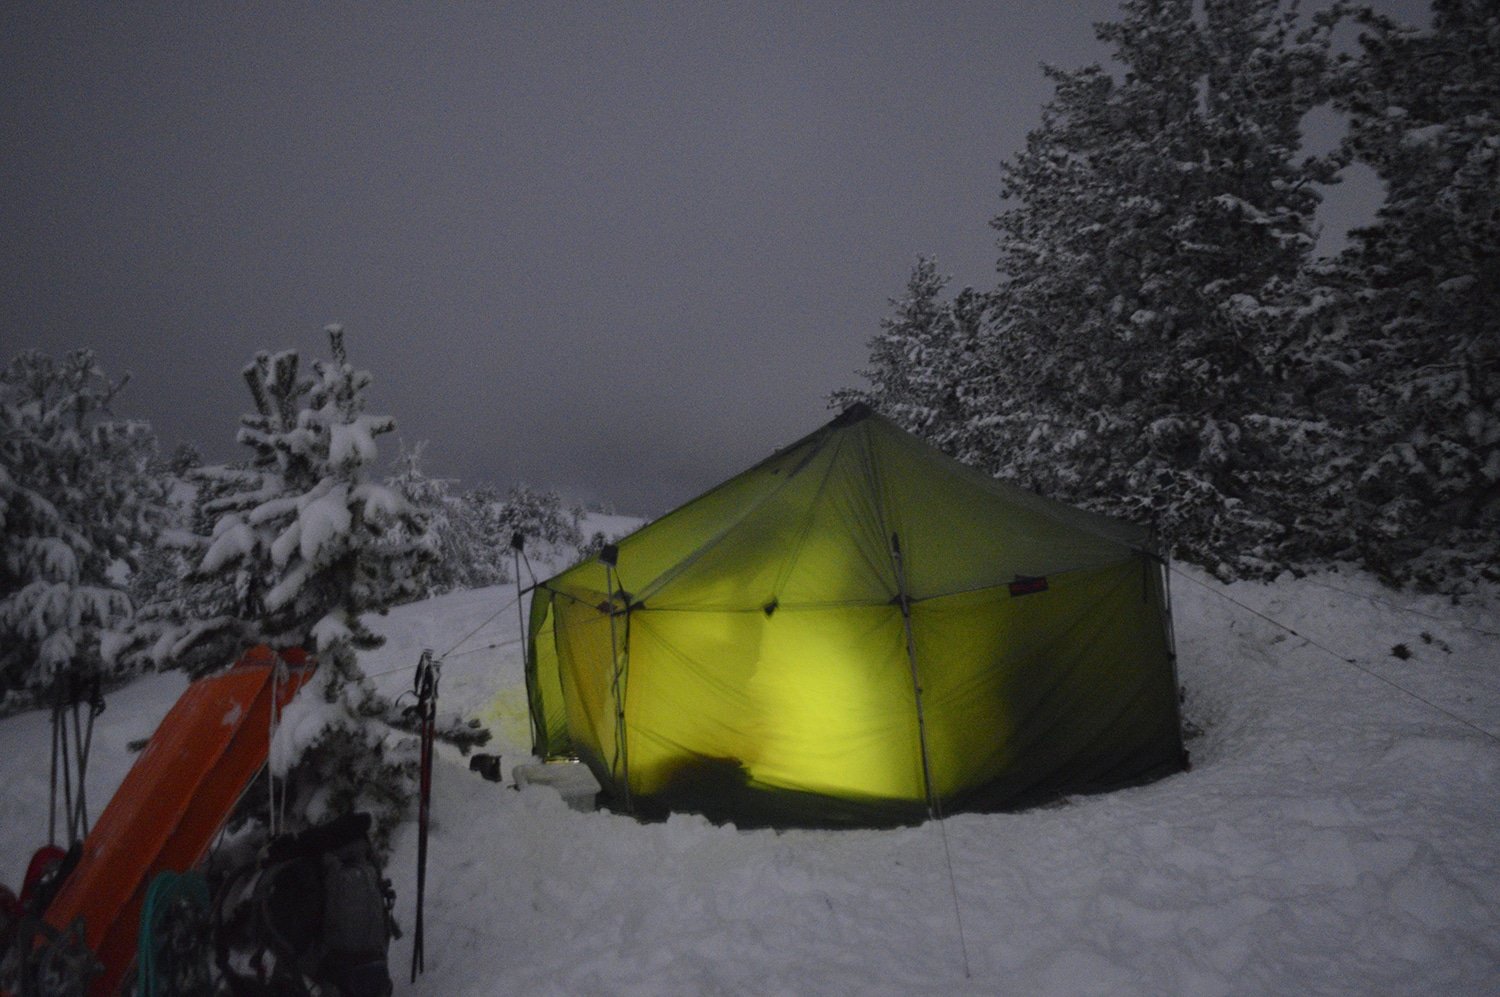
column 1335, row 835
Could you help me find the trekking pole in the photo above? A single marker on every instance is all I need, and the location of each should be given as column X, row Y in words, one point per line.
column 75, row 815
column 517, row 545
column 60, row 754
column 52, row 800
column 96, row 707
column 426, row 687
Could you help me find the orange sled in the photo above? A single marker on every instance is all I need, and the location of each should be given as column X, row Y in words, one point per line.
column 172, row 803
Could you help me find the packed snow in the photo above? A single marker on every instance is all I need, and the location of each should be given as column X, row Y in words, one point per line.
column 1336, row 833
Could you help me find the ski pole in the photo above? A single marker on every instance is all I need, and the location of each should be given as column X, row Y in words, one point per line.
column 426, row 690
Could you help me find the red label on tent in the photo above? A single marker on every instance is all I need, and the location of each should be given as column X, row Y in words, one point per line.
column 1028, row 586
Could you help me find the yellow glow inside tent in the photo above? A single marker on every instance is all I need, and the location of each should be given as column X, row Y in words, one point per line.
column 826, row 682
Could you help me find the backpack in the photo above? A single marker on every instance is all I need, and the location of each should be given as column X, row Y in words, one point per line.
column 317, row 904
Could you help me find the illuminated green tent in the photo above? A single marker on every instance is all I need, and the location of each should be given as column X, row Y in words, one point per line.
column 859, row 630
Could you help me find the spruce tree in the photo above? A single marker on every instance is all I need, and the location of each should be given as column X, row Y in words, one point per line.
column 295, row 545
column 464, row 539
column 1156, row 225
column 1418, row 328
column 925, row 363
column 489, row 535
column 540, row 518
column 76, row 499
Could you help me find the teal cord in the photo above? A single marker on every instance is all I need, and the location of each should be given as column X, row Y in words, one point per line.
column 166, row 889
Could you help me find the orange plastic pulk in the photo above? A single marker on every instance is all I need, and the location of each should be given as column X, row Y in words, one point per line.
column 172, row 803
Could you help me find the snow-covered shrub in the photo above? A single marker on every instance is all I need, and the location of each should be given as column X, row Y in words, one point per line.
column 429, row 497
column 76, row 498
column 336, row 752
column 466, row 549
column 490, row 554
column 540, row 518
column 594, row 544
column 163, row 560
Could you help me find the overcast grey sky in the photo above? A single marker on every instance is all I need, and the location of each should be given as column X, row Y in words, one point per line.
column 622, row 250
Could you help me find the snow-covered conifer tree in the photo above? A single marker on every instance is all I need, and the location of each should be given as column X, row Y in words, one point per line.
column 1158, row 220
column 156, row 583
column 295, row 546
column 466, row 552
column 295, row 542
column 540, row 517
column 1417, row 334
column 76, row 496
column 489, row 534
column 925, row 361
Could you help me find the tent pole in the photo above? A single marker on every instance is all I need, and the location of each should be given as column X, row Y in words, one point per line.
column 609, row 556
column 933, row 810
column 1164, row 567
column 517, row 542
